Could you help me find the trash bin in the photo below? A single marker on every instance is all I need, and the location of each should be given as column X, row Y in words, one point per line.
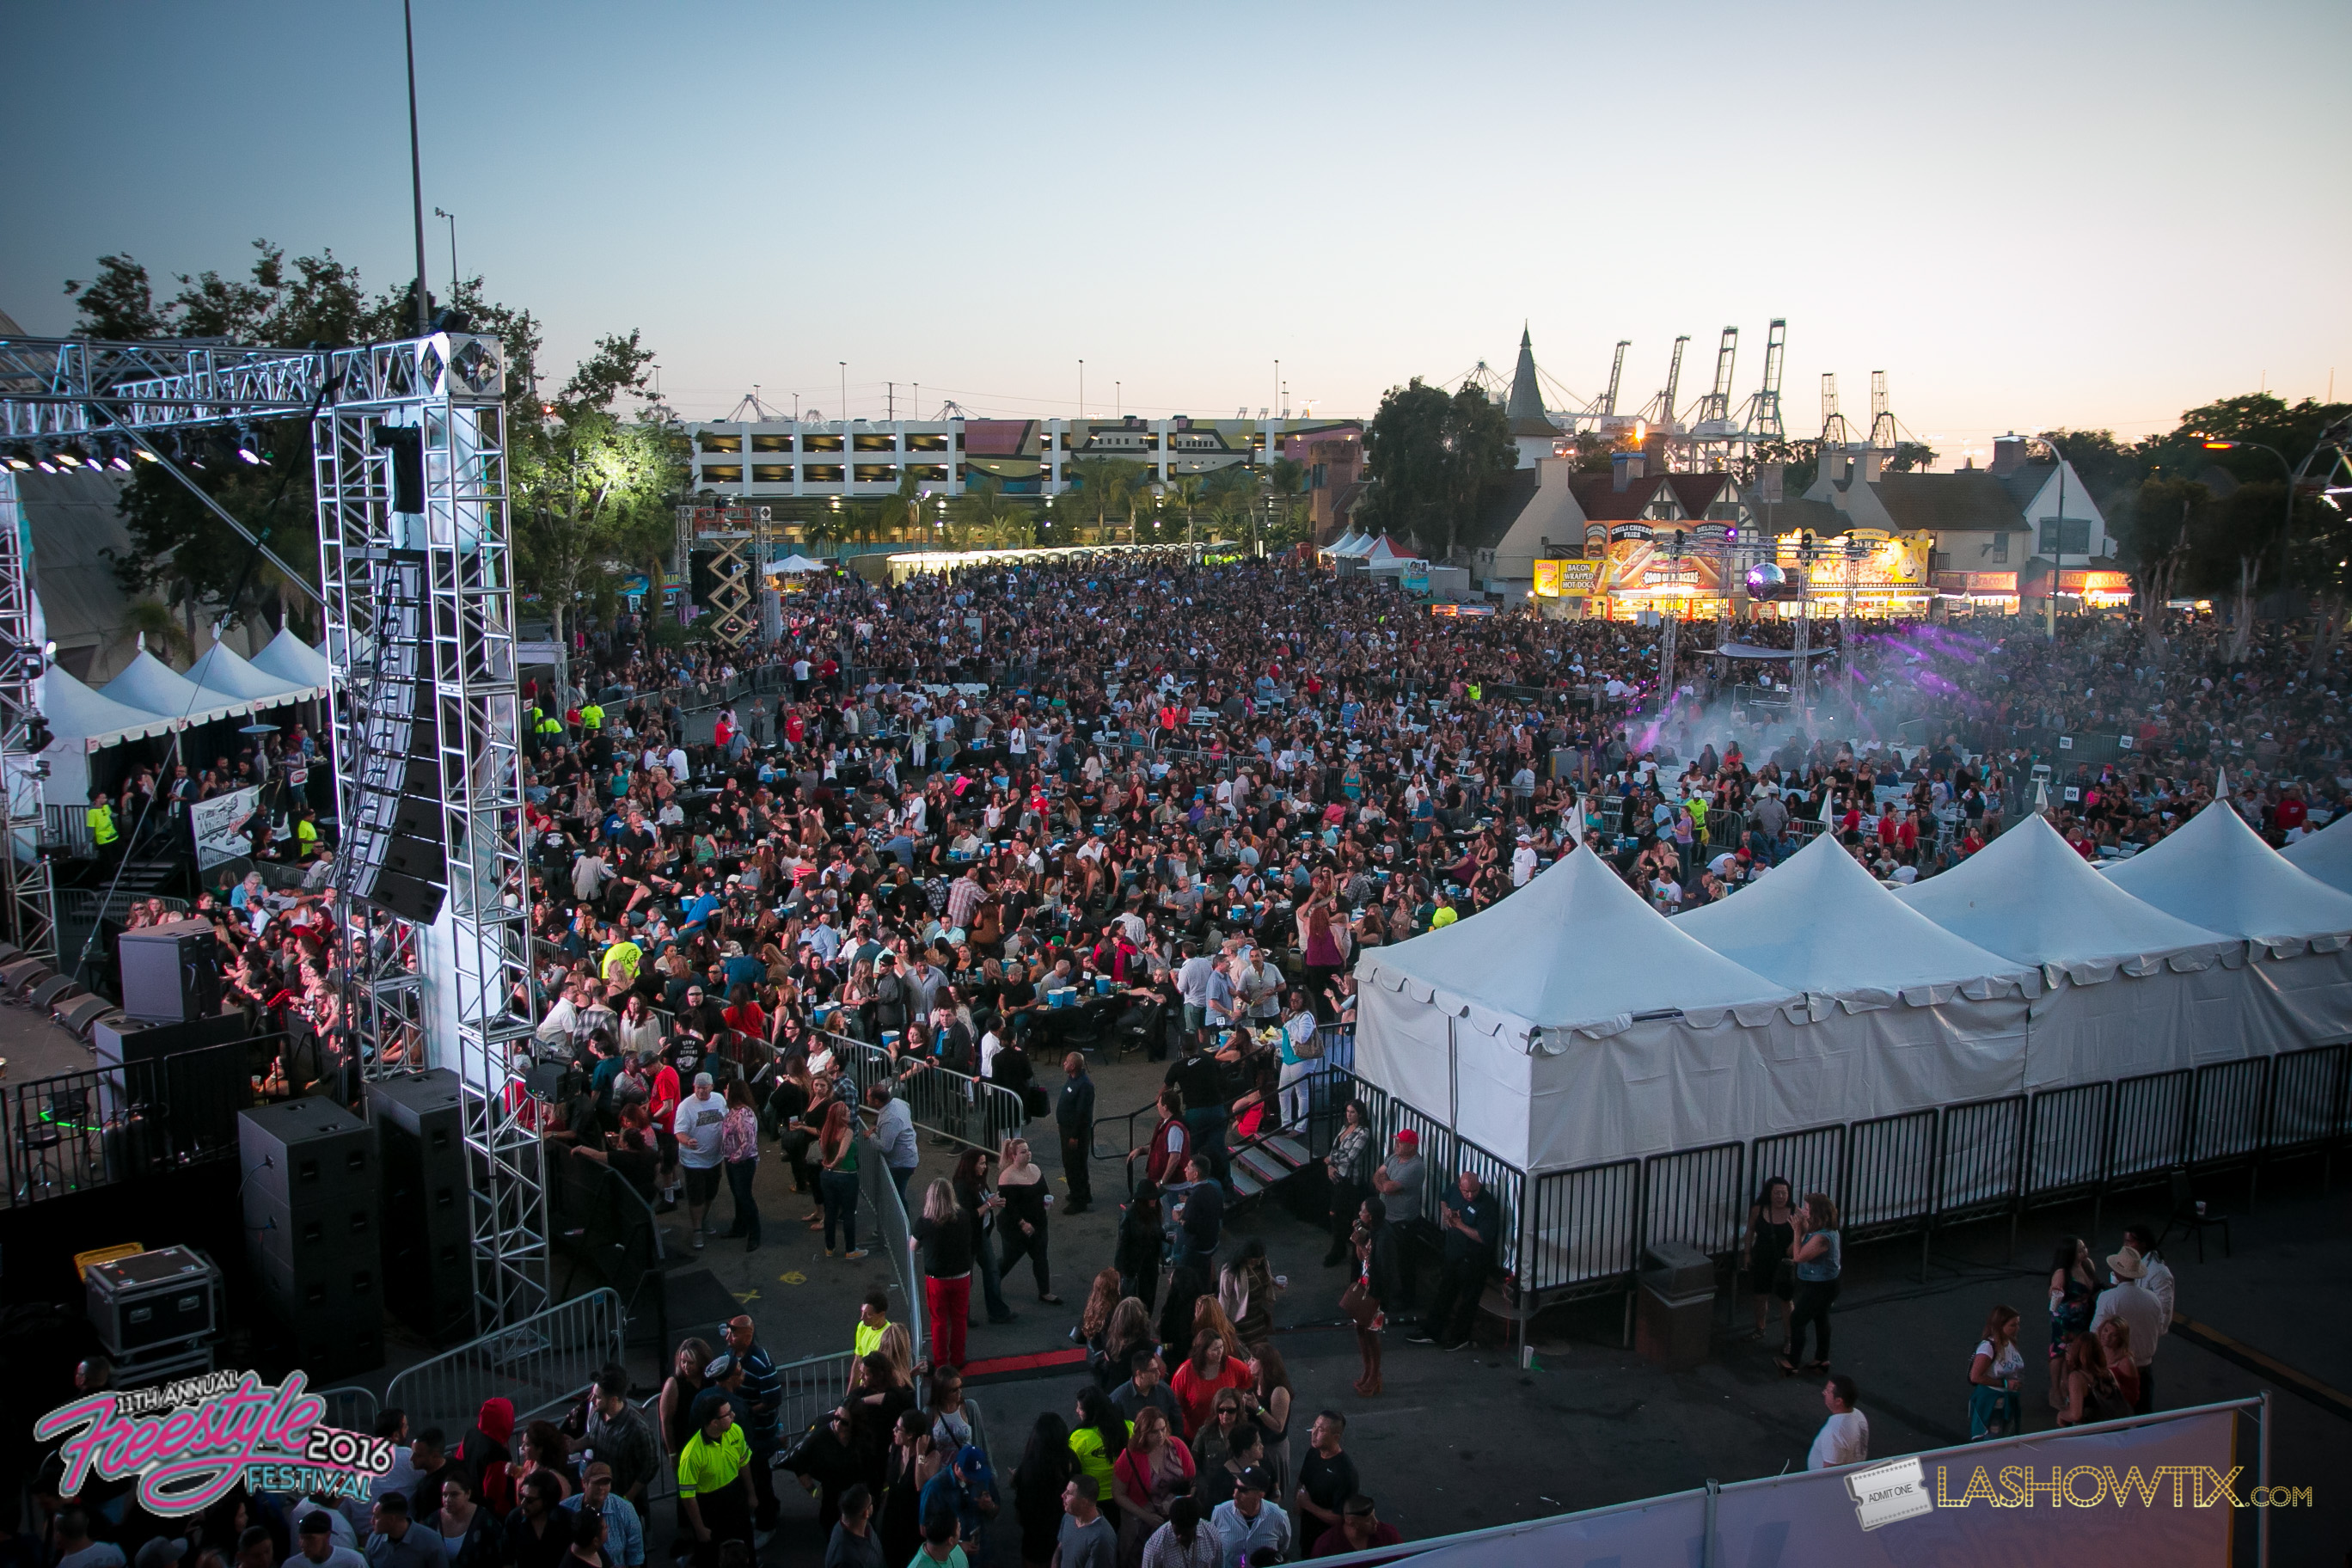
column 1675, row 1317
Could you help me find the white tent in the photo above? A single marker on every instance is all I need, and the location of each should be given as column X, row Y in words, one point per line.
column 2214, row 871
column 82, row 720
column 2128, row 988
column 1355, row 547
column 795, row 564
column 1906, row 1014
column 148, row 683
column 225, row 673
column 1384, row 553
column 291, row 659
column 1570, row 1023
column 2326, row 853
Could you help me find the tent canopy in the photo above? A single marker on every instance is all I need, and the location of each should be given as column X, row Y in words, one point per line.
column 83, row 720
column 1575, row 948
column 225, row 673
column 148, row 684
column 2326, row 853
column 795, row 564
column 292, row 660
column 1820, row 925
column 2215, row 872
column 1384, row 553
column 2029, row 897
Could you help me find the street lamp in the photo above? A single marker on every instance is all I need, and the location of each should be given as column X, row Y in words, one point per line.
column 2286, row 521
column 2058, row 543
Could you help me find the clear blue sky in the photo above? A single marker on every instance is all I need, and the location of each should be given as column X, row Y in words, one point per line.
column 2027, row 215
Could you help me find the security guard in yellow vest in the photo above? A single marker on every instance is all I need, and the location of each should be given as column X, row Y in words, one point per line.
column 101, row 824
column 591, row 717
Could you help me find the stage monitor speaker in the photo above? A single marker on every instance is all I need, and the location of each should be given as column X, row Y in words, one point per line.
column 395, row 894
column 420, row 1122
column 311, row 1197
column 171, row 973
column 213, row 1083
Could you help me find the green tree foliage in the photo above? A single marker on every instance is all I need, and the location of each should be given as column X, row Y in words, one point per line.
column 984, row 514
column 1434, row 454
column 590, row 487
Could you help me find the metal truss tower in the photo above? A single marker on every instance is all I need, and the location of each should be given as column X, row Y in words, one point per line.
column 462, row 985
column 25, row 885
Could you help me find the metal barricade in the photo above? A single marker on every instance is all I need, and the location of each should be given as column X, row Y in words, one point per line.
column 1583, row 1229
column 2147, row 1133
column 98, row 1126
column 1978, row 1158
column 1890, row 1171
column 1328, row 1094
column 1696, row 1196
column 971, row 1111
column 894, row 1236
column 351, row 1409
column 2066, row 1141
column 542, row 1363
column 2225, row 1127
column 2307, row 1100
column 1809, row 1161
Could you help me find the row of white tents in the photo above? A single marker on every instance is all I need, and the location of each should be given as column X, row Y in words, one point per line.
column 1571, row 1024
column 1374, row 551
column 151, row 698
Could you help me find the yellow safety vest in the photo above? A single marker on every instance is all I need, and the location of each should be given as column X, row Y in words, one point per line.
column 591, row 717
column 101, row 823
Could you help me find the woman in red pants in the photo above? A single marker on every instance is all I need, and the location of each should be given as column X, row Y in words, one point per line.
column 944, row 1236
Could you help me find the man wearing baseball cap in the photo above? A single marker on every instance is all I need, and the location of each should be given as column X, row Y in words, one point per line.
column 1397, row 1184
column 314, row 1542
column 1248, row 1523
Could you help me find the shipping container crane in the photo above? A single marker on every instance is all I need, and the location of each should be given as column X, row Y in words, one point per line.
column 1714, row 408
column 1835, row 431
column 1760, row 419
column 1882, row 418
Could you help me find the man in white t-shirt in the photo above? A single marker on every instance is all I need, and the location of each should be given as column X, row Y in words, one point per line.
column 1844, row 1438
column 77, row 1550
column 1523, row 861
column 699, row 1116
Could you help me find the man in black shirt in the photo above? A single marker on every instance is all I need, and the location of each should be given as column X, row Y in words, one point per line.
column 1470, row 1221
column 1327, row 1477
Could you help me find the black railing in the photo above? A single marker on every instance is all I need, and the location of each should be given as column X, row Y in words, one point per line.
column 100, row 1126
column 604, row 1224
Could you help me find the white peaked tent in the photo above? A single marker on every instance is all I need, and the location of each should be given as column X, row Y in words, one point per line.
column 1383, row 553
column 147, row 682
column 82, row 720
column 226, row 674
column 2326, row 853
column 1355, row 547
column 2215, row 872
column 292, row 660
column 1569, row 1023
column 795, row 564
column 2128, row 989
column 1906, row 1014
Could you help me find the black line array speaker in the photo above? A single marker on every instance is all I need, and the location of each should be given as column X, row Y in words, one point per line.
column 311, row 1197
column 171, row 973
column 394, row 858
column 420, row 1124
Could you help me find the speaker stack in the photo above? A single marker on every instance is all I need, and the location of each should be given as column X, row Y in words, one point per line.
column 395, row 860
column 194, row 1091
column 171, row 973
column 312, row 1232
column 419, row 1120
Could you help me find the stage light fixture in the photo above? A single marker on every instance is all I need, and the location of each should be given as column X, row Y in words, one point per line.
column 142, row 451
column 118, row 456
column 20, row 457
column 73, row 455
column 248, row 447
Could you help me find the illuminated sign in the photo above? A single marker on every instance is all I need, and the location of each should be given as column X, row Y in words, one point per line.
column 1566, row 579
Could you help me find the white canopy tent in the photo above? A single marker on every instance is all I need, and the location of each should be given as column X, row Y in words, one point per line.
column 2128, row 989
column 149, row 684
column 82, row 720
column 2216, row 872
column 223, row 672
column 292, row 660
column 1906, row 1014
column 2326, row 853
column 1570, row 1023
column 1354, row 547
column 1384, row 554
column 795, row 564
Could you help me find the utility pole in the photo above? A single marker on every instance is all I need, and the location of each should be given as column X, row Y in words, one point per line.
column 1804, row 681
column 1666, row 638
column 416, row 173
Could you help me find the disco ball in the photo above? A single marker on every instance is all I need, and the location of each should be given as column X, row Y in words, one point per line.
column 1765, row 581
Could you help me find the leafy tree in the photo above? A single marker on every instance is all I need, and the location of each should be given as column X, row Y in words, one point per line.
column 1186, row 491
column 984, row 513
column 1103, row 484
column 1801, row 464
column 1286, row 478
column 1433, row 454
column 587, row 486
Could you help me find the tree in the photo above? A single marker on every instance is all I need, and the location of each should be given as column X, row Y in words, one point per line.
column 587, row 486
column 1434, row 455
column 984, row 513
column 1286, row 477
column 1187, row 490
column 2157, row 526
column 1103, row 484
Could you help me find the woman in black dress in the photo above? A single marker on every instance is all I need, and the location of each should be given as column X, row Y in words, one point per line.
column 1772, row 1229
column 1046, row 1469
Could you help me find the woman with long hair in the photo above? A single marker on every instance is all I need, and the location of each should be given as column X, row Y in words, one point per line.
column 1141, row 1245
column 837, row 1152
column 1374, row 1244
column 1046, row 1469
column 1818, row 1257
column 899, row 1518
column 1772, row 1232
column 1348, row 1166
column 677, row 1404
column 2073, row 1292
column 1994, row 1373
column 969, row 1180
column 1207, row 1314
column 944, row 1236
column 1098, row 1439
column 1127, row 1338
column 1207, row 1371
column 1245, row 1292
column 1102, row 1299
column 1021, row 1187
column 1148, row 1478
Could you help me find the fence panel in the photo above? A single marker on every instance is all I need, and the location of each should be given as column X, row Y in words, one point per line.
column 1809, row 1161
column 1584, row 1226
column 96, row 1126
column 349, row 1409
column 1696, row 1196
column 893, row 1238
column 2066, row 1140
column 972, row 1111
column 1437, row 1151
column 2307, row 1109
column 1328, row 1095
column 1978, row 1155
column 2226, row 1122
column 1890, row 1173
column 2150, row 1132
column 542, row 1363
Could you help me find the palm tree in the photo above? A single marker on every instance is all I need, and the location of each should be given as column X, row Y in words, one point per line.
column 1139, row 498
column 1187, row 489
column 984, row 512
column 1286, row 477
column 1099, row 486
column 153, row 619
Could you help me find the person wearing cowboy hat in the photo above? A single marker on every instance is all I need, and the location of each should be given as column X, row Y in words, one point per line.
column 2128, row 1300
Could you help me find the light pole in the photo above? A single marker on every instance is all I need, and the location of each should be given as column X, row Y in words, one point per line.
column 2058, row 543
column 844, row 393
column 415, row 169
column 453, row 248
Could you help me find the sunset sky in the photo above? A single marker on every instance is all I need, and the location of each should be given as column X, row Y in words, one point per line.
column 2086, row 215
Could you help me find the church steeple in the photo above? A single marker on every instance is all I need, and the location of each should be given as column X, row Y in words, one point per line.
column 1527, row 398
